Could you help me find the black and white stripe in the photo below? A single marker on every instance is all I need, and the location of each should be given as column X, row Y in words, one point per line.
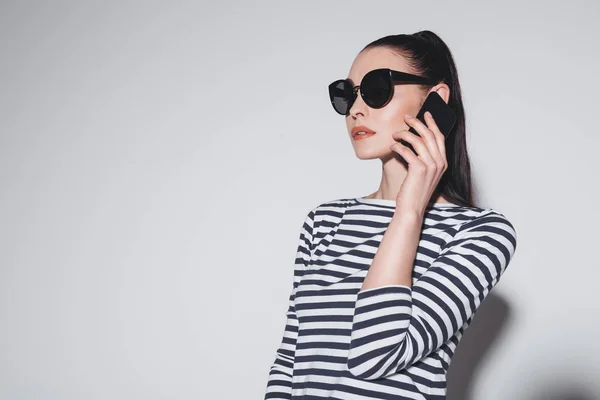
column 394, row 341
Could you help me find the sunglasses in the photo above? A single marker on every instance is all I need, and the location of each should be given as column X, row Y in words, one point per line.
column 376, row 88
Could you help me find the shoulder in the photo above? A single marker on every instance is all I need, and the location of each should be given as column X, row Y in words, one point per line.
column 323, row 217
column 484, row 244
column 490, row 219
column 330, row 208
column 336, row 203
column 488, row 229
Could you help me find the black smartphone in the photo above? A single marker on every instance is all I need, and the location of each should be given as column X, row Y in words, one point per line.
column 442, row 113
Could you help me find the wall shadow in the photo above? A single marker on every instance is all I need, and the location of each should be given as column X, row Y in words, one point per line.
column 558, row 390
column 487, row 326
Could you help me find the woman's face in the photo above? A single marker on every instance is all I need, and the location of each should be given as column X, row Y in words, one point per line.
column 407, row 99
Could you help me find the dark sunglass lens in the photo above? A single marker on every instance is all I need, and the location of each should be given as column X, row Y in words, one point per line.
column 376, row 88
column 340, row 94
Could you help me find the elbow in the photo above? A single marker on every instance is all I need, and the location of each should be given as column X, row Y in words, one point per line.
column 364, row 372
column 373, row 365
column 359, row 371
column 357, row 368
column 378, row 363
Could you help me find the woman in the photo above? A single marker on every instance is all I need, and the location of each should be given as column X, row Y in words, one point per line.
column 385, row 285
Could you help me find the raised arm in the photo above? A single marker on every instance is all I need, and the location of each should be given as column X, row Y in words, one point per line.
column 397, row 325
column 279, row 385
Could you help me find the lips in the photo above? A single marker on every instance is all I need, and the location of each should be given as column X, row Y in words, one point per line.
column 360, row 128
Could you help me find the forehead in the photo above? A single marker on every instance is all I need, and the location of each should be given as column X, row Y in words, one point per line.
column 374, row 58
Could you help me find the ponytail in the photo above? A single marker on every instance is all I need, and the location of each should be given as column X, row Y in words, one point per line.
column 429, row 56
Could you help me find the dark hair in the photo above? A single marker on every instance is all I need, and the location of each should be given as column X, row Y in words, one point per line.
column 429, row 56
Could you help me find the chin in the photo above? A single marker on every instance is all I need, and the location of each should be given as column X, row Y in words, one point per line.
column 374, row 153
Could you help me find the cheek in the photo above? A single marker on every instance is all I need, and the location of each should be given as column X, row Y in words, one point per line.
column 391, row 118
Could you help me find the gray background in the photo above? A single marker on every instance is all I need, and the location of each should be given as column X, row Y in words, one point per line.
column 157, row 160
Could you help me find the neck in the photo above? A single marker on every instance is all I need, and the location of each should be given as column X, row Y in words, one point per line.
column 393, row 173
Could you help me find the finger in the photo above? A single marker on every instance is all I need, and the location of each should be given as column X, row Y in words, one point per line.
column 415, row 141
column 411, row 158
column 440, row 138
column 415, row 123
column 420, row 146
column 429, row 138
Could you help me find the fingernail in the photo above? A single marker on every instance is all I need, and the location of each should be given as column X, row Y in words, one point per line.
column 428, row 114
column 408, row 116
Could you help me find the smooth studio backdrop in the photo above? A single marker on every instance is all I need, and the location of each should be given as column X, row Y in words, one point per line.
column 157, row 160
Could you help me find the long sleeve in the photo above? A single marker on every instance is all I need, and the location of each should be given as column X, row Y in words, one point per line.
column 279, row 385
column 395, row 326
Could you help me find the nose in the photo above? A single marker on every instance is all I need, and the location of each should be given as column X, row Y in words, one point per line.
column 359, row 106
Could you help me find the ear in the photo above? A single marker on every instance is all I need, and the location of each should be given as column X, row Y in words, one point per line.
column 443, row 90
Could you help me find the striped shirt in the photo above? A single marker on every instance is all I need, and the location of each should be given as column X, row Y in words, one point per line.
column 392, row 341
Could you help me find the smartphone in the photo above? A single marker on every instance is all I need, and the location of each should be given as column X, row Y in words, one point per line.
column 442, row 113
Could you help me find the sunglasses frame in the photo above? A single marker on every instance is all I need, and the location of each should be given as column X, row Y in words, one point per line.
column 394, row 77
